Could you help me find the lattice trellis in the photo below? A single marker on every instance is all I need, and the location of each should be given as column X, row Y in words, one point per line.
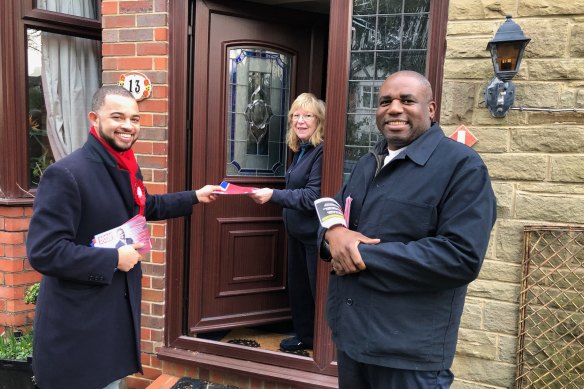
column 550, row 351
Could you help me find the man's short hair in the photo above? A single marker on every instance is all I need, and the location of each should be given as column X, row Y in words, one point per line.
column 106, row 90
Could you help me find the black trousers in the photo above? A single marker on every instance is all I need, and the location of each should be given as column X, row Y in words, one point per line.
column 302, row 259
column 353, row 375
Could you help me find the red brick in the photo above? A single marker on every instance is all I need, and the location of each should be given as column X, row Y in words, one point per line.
column 11, row 211
column 109, row 8
column 136, row 35
column 146, row 119
column 161, row 91
column 135, row 63
column 151, row 373
column 1, row 223
column 159, row 120
column 14, row 251
column 118, row 49
column 149, row 105
column 12, row 237
column 109, row 63
column 2, row 249
column 135, row 6
column 11, row 265
column 18, row 305
column 142, row 147
column 16, row 224
column 145, row 334
column 119, row 21
column 152, row 48
column 153, row 295
column 152, row 20
column 152, row 161
column 8, row 292
column 161, row 34
column 135, row 382
column 28, row 212
column 22, row 278
column 158, row 230
column 14, row 319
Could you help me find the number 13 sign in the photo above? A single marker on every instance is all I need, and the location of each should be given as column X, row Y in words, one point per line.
column 137, row 83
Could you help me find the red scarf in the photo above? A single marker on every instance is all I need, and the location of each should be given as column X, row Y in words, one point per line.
column 127, row 161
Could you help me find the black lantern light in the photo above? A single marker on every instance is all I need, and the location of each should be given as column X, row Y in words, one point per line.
column 506, row 51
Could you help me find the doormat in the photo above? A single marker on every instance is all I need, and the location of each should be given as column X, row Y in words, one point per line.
column 191, row 383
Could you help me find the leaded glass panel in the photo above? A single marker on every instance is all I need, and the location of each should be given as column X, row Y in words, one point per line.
column 388, row 35
column 257, row 106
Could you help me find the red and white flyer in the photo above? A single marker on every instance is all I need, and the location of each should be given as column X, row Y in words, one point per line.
column 228, row 188
column 133, row 231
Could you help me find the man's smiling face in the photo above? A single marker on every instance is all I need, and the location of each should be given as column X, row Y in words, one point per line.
column 117, row 122
column 405, row 110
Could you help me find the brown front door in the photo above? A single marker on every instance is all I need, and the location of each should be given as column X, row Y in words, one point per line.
column 249, row 63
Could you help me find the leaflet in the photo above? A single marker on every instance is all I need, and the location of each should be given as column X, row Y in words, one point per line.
column 330, row 212
column 228, row 188
column 134, row 230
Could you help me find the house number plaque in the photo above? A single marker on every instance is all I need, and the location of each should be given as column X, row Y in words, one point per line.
column 137, row 84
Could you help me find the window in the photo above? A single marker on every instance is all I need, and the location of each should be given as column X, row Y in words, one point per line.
column 51, row 51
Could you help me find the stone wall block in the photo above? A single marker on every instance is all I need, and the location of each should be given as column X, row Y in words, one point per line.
column 457, row 103
column 556, row 69
column 577, row 41
column 495, row 374
column 480, row 9
column 549, row 37
column 479, row 344
column 468, row 47
column 472, row 315
column 548, row 187
column 538, row 95
column 530, row 167
column 507, row 349
column 567, row 168
column 491, row 140
column 549, row 139
column 554, row 118
column 550, row 7
column 505, row 194
column 500, row 271
column 470, row 27
column 494, row 290
column 510, row 240
column 482, row 117
column 550, row 207
column 501, row 317
column 468, row 69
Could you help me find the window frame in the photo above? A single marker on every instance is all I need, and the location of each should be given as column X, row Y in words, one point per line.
column 16, row 17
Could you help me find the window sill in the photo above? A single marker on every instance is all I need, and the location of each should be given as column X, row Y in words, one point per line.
column 255, row 370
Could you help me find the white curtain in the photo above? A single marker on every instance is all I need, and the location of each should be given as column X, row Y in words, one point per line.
column 70, row 77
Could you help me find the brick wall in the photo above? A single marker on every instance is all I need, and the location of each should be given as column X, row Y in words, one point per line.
column 15, row 271
column 534, row 158
column 135, row 38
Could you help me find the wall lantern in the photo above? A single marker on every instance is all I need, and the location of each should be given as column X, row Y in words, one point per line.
column 506, row 51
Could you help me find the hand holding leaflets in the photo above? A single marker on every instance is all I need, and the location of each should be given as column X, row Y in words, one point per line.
column 133, row 231
column 330, row 213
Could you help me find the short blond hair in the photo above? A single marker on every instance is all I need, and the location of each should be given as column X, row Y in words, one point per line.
column 307, row 102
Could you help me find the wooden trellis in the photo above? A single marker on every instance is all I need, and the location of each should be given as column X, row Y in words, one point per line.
column 550, row 351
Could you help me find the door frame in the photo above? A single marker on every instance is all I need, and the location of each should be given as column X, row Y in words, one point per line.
column 322, row 370
column 196, row 350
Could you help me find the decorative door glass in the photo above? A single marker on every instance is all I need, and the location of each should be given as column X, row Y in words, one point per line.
column 258, row 97
column 388, row 35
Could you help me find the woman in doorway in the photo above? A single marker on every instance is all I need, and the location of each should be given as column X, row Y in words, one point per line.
column 305, row 136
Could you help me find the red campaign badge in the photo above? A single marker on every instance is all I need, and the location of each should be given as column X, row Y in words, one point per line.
column 463, row 135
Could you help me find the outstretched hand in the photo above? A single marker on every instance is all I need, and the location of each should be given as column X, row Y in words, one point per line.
column 206, row 195
column 261, row 196
column 343, row 244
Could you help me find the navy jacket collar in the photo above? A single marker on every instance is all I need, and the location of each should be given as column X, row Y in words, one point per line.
column 420, row 150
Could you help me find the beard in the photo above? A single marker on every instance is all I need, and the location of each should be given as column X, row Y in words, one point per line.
column 111, row 141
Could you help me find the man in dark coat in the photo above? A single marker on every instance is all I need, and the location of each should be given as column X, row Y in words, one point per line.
column 421, row 215
column 87, row 322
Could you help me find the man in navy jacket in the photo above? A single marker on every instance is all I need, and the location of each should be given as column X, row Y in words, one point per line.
column 87, row 321
column 420, row 220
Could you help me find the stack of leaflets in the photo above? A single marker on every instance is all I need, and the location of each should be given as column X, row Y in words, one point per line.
column 133, row 231
column 330, row 212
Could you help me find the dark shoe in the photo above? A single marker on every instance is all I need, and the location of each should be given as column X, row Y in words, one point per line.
column 293, row 344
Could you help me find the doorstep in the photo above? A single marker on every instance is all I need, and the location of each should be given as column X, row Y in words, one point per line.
column 165, row 381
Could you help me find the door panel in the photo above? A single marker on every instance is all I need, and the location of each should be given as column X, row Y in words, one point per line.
column 238, row 252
